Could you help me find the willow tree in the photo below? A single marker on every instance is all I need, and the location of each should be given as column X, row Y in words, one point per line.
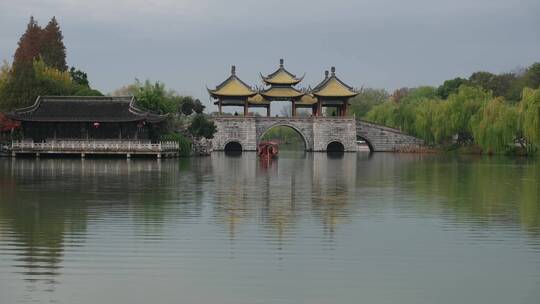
column 366, row 100
column 495, row 126
column 461, row 107
column 408, row 106
column 385, row 114
column 442, row 129
column 424, row 122
column 530, row 118
column 401, row 113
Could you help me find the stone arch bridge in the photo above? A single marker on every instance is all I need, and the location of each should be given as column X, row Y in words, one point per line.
column 318, row 133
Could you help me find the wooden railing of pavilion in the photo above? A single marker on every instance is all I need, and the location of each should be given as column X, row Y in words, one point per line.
column 128, row 147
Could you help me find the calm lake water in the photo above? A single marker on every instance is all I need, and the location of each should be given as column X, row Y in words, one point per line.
column 306, row 228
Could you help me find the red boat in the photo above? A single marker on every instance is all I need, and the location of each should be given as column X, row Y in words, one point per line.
column 268, row 149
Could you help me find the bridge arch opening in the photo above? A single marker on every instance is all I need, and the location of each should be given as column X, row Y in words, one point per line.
column 233, row 146
column 288, row 137
column 335, row 146
column 363, row 144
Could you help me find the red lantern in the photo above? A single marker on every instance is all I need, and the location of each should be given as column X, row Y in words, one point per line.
column 7, row 124
column 96, row 125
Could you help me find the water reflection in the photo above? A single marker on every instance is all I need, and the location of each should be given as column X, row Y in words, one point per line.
column 279, row 191
column 63, row 219
column 46, row 206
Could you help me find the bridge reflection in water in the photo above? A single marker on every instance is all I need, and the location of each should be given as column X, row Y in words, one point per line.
column 282, row 190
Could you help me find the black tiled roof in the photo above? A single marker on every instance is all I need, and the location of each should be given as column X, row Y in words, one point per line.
column 84, row 109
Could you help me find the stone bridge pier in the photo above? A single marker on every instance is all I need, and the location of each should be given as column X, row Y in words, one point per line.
column 318, row 133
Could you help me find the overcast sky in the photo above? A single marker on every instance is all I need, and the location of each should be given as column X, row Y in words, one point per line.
column 188, row 44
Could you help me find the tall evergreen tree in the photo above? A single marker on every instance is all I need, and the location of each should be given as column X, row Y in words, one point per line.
column 29, row 45
column 53, row 50
column 19, row 90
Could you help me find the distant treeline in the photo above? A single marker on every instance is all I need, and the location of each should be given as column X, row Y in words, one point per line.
column 489, row 113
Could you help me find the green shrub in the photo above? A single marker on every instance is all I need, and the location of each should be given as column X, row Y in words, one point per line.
column 184, row 144
column 202, row 127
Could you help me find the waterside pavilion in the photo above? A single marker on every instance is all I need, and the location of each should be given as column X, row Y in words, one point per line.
column 89, row 125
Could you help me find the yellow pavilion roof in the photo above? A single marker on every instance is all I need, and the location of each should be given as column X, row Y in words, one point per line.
column 308, row 99
column 258, row 100
column 333, row 87
column 281, row 93
column 232, row 87
column 281, row 76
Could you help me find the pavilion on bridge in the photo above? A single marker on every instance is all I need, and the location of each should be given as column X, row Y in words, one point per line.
column 280, row 85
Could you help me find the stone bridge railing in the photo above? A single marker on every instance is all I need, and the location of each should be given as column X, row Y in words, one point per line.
column 385, row 139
